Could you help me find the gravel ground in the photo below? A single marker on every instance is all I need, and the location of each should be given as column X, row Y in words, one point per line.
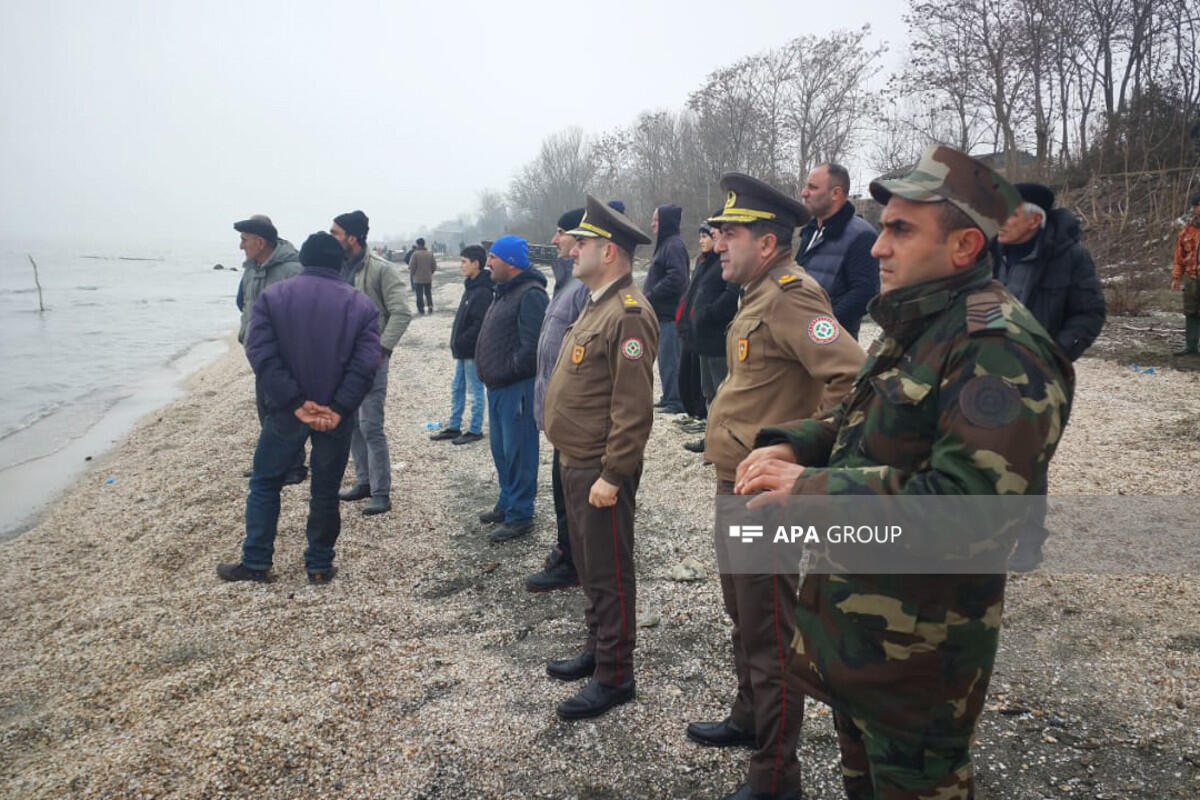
column 131, row 671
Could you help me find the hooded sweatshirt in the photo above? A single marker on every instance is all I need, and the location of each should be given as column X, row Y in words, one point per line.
column 667, row 278
column 283, row 263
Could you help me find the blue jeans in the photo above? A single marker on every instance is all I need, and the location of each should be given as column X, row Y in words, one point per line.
column 514, row 440
column 668, row 366
column 282, row 437
column 466, row 375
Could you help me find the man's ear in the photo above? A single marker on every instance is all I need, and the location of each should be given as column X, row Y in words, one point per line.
column 968, row 244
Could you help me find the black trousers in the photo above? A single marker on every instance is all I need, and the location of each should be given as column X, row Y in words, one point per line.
column 424, row 293
column 560, row 509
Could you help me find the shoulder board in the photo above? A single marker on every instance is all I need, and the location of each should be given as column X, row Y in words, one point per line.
column 789, row 280
column 988, row 310
column 632, row 306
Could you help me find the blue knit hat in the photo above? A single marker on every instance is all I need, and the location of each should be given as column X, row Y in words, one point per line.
column 511, row 250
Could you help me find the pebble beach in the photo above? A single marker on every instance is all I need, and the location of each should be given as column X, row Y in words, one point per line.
column 130, row 671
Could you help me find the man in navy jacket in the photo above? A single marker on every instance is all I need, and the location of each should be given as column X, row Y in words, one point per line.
column 313, row 342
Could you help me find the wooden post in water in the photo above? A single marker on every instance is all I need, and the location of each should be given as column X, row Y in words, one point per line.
column 41, row 307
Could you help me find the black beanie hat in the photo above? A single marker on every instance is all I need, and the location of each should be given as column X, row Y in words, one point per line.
column 1194, row 200
column 354, row 223
column 321, row 250
column 570, row 220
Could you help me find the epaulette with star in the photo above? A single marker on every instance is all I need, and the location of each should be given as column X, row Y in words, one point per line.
column 632, row 306
column 789, row 280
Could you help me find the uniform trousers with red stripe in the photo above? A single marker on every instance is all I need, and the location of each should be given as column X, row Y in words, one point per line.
column 602, row 546
column 769, row 700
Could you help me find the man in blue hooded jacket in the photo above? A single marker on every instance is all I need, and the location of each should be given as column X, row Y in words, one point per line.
column 665, row 284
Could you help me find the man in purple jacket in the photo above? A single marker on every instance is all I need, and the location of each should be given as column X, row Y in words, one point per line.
column 313, row 342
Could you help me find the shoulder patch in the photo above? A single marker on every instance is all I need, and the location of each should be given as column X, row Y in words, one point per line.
column 824, row 330
column 632, row 348
column 989, row 401
column 988, row 310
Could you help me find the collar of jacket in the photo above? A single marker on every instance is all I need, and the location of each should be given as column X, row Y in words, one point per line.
column 484, row 277
column 531, row 273
column 324, row 272
column 833, row 228
column 615, row 286
column 751, row 289
column 902, row 312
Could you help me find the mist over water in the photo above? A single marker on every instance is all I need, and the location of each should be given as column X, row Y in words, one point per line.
column 111, row 323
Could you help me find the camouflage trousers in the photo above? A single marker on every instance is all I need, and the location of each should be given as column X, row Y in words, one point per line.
column 878, row 767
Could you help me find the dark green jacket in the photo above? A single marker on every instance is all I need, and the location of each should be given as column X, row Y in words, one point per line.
column 963, row 393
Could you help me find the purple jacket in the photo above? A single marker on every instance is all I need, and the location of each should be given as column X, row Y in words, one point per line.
column 314, row 337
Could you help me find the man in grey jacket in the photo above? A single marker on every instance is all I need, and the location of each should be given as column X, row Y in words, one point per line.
column 570, row 296
column 269, row 260
column 377, row 279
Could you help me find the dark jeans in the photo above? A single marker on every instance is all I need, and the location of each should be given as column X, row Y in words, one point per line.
column 560, row 509
column 282, row 437
column 261, row 405
column 424, row 292
column 713, row 370
column 514, row 440
column 668, row 366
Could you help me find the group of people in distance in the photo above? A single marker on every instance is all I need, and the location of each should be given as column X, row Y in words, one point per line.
column 983, row 295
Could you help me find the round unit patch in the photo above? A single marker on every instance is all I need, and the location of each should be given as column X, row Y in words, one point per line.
column 989, row 401
column 824, row 330
column 632, row 348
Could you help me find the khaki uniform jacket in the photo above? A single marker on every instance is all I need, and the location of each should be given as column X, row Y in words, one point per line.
column 788, row 360
column 600, row 401
column 377, row 278
column 421, row 266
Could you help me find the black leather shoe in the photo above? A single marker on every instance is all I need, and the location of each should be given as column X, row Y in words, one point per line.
column 322, row 577
column 594, row 699
column 467, row 438
column 573, row 669
column 446, row 433
column 359, row 492
column 492, row 517
column 237, row 572
column 557, row 574
column 294, row 476
column 744, row 792
column 725, row 733
column 1025, row 558
column 507, row 532
column 378, row 504
column 694, row 447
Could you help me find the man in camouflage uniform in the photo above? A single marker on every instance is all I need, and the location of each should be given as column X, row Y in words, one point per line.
column 788, row 358
column 964, row 393
column 598, row 414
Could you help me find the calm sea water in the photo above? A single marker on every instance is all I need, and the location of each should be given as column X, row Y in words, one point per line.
column 113, row 327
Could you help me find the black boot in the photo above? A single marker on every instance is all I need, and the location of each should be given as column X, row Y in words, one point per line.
column 559, row 573
column 594, row 699
column 360, row 491
column 725, row 733
column 572, row 669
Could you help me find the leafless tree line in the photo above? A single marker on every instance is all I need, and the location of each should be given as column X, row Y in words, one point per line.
column 1085, row 87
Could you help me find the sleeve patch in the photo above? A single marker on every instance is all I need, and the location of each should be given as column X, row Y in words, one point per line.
column 632, row 348
column 824, row 330
column 989, row 401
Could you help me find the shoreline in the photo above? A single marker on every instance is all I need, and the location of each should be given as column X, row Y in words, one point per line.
column 420, row 670
column 33, row 484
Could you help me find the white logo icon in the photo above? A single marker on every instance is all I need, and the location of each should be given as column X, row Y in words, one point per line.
column 747, row 533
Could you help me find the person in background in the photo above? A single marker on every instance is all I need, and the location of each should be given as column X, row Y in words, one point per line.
column 835, row 245
column 269, row 259
column 506, row 358
column 376, row 278
column 464, row 334
column 665, row 283
column 1185, row 276
column 313, row 342
column 421, row 267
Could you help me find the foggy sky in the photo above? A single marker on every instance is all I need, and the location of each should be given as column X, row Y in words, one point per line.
column 165, row 121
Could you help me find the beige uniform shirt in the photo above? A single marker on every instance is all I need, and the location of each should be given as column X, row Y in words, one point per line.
column 600, row 400
column 788, row 360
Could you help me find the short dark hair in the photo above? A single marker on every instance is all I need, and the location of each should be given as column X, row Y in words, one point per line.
column 783, row 235
column 952, row 218
column 839, row 176
column 474, row 252
column 420, row 242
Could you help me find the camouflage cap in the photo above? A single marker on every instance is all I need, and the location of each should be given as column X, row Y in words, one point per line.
column 605, row 222
column 946, row 174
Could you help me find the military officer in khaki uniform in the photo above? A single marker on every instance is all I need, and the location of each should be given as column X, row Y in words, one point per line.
column 598, row 413
column 788, row 359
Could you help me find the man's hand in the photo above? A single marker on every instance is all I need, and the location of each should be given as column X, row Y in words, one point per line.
column 781, row 452
column 318, row 417
column 768, row 475
column 1175, row 285
column 603, row 494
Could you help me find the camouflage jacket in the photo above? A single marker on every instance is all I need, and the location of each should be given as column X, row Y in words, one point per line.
column 964, row 393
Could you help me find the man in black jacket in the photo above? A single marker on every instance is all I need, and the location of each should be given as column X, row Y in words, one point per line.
column 665, row 283
column 468, row 319
column 506, row 357
column 1038, row 257
column 835, row 246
